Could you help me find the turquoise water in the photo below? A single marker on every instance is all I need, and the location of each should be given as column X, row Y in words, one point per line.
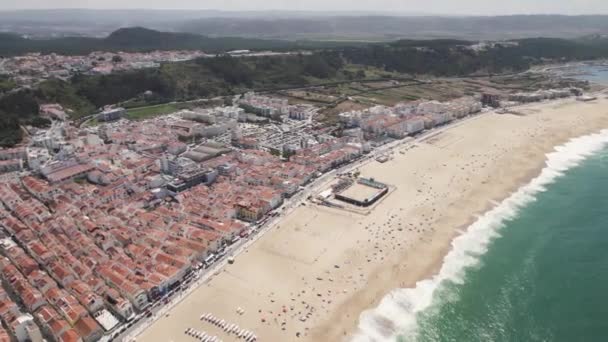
column 545, row 278
column 534, row 268
column 595, row 74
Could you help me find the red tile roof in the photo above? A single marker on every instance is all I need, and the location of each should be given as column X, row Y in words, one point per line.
column 70, row 336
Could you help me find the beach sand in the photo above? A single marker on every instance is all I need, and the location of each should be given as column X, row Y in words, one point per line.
column 321, row 267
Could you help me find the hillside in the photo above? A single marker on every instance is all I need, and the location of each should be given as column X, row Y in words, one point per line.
column 294, row 25
column 225, row 75
column 387, row 27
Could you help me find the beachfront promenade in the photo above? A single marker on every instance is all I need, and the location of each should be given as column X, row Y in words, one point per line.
column 203, row 276
column 310, row 279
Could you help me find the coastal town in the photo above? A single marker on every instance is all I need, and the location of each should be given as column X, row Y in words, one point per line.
column 253, row 171
column 101, row 223
column 30, row 69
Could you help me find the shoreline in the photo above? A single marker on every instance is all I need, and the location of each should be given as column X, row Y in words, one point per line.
column 433, row 269
column 280, row 273
column 468, row 248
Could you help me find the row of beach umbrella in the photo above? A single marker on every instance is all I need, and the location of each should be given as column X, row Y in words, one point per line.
column 229, row 328
column 202, row 336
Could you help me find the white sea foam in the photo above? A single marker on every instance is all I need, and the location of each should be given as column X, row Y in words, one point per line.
column 396, row 313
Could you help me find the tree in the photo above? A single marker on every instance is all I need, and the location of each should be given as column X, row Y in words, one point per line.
column 15, row 108
column 22, row 104
column 232, row 70
column 40, row 122
column 348, row 74
column 228, row 101
column 316, row 66
column 116, row 59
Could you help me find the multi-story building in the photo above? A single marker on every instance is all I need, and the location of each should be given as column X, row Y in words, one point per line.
column 11, row 165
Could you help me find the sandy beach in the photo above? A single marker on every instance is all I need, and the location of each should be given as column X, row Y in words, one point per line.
column 311, row 277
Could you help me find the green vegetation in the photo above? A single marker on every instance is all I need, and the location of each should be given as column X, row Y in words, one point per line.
column 92, row 122
column 184, row 81
column 387, row 27
column 118, row 87
column 17, row 108
column 58, row 91
column 6, row 84
column 224, row 75
column 142, row 113
column 454, row 58
column 136, row 39
column 440, row 60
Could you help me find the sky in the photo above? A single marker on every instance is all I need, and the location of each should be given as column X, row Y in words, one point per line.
column 444, row 7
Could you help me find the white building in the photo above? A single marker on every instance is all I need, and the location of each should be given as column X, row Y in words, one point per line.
column 415, row 125
column 431, row 107
column 37, row 157
column 441, row 118
column 263, row 105
column 25, row 329
column 301, row 112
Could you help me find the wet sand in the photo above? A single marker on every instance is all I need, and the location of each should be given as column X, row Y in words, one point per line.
column 311, row 277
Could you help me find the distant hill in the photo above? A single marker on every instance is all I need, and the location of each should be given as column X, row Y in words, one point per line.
column 99, row 23
column 293, row 25
column 395, row 27
column 142, row 39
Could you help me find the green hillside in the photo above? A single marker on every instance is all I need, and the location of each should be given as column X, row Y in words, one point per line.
column 226, row 75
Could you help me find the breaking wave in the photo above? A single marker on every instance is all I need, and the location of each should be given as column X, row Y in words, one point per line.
column 395, row 316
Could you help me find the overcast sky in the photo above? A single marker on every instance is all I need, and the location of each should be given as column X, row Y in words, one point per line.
column 489, row 7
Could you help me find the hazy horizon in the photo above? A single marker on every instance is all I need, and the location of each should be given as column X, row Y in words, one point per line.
column 398, row 7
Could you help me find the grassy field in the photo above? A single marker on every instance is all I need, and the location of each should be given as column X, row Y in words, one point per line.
column 372, row 72
column 142, row 113
column 91, row 123
column 6, row 84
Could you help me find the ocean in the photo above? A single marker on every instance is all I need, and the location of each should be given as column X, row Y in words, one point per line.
column 534, row 268
column 594, row 74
